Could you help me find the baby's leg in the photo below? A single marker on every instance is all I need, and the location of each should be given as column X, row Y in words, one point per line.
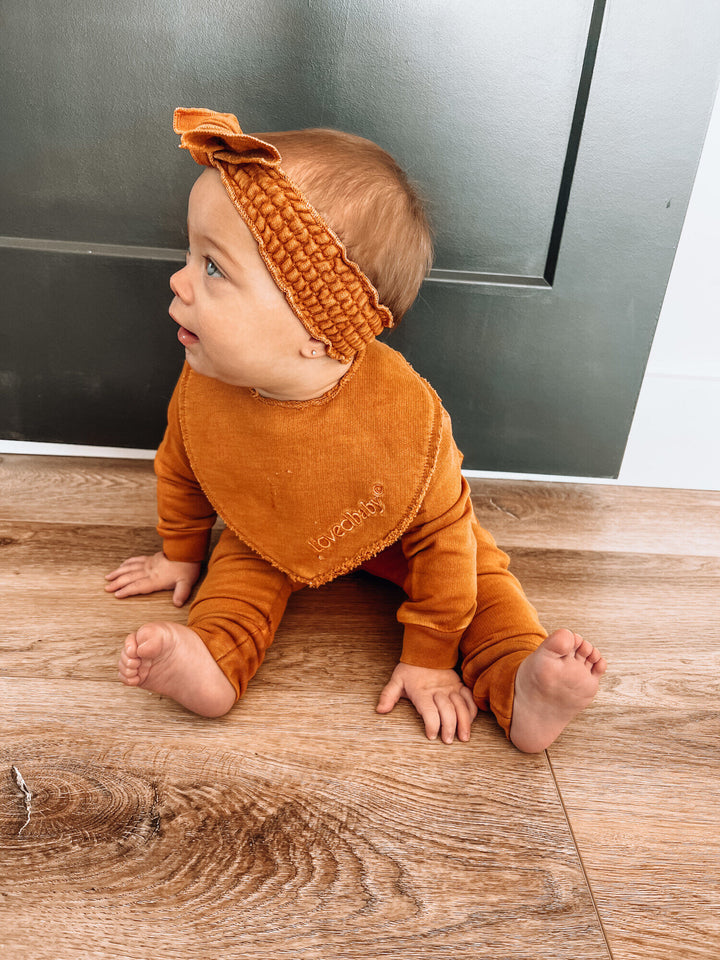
column 534, row 686
column 206, row 665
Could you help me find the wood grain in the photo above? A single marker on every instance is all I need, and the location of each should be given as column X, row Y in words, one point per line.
column 77, row 490
column 645, row 811
column 306, row 825
column 252, row 836
column 518, row 513
column 640, row 776
column 592, row 517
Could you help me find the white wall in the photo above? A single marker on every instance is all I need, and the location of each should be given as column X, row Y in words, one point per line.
column 675, row 436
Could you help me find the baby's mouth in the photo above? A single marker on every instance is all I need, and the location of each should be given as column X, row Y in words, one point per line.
column 186, row 338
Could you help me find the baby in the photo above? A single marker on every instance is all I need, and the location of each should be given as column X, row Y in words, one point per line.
column 322, row 450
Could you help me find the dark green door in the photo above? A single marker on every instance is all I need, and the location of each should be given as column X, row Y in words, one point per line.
column 556, row 141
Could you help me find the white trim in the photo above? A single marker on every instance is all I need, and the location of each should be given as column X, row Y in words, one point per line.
column 72, row 450
column 539, row 477
column 663, row 483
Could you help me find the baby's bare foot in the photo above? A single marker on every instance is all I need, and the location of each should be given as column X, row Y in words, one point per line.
column 171, row 659
column 551, row 686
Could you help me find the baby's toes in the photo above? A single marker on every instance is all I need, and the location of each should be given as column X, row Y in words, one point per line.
column 128, row 670
column 129, row 664
column 599, row 666
column 130, row 646
column 584, row 648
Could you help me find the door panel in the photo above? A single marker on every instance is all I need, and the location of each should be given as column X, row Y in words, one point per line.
column 556, row 142
column 91, row 354
column 480, row 110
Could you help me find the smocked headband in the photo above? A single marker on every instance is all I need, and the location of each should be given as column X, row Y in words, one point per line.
column 331, row 296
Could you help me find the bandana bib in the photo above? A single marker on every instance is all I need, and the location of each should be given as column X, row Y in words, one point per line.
column 316, row 487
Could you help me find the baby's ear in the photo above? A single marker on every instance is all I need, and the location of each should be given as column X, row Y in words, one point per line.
column 313, row 348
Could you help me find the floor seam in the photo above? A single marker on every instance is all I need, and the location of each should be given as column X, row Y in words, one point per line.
column 580, row 858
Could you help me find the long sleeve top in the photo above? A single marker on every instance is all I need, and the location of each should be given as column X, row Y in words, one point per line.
column 319, row 487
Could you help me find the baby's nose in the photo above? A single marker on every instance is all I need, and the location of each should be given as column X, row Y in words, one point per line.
column 180, row 286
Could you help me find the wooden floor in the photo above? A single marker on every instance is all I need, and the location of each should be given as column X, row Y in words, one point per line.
column 304, row 825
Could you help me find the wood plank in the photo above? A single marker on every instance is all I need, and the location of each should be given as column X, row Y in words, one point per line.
column 518, row 513
column 153, row 833
column 610, row 595
column 77, row 490
column 303, row 824
column 599, row 517
column 75, row 628
column 304, row 815
column 640, row 777
column 644, row 808
column 59, row 622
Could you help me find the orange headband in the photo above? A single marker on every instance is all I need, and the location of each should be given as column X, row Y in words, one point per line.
column 331, row 296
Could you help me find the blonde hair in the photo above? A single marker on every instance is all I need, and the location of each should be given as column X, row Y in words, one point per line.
column 366, row 198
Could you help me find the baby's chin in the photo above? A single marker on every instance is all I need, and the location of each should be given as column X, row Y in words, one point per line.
column 199, row 364
column 196, row 364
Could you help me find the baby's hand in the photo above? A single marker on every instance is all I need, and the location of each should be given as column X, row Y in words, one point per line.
column 439, row 696
column 149, row 574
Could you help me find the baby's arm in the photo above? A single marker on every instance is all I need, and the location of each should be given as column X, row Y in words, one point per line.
column 185, row 520
column 455, row 574
column 149, row 574
column 441, row 587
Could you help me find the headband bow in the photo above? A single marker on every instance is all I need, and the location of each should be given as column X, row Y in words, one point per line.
column 333, row 299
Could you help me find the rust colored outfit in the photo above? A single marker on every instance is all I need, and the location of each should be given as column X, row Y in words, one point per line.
column 366, row 476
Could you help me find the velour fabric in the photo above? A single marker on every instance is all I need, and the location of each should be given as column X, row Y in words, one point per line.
column 286, row 476
column 316, row 487
column 238, row 608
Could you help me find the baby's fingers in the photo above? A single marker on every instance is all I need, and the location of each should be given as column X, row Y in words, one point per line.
column 448, row 717
column 132, row 563
column 430, row 715
column 454, row 712
column 122, row 579
column 391, row 693
column 465, row 711
column 131, row 586
column 183, row 589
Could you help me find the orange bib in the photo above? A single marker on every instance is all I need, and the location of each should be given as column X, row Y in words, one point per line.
column 316, row 487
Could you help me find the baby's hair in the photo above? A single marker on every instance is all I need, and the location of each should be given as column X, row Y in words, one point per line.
column 368, row 201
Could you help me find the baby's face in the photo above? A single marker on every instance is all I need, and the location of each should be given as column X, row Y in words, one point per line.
column 235, row 324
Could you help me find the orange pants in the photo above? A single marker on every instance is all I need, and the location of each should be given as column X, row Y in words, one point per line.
column 241, row 601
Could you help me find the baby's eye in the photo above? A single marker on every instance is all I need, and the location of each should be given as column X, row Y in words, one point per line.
column 211, row 268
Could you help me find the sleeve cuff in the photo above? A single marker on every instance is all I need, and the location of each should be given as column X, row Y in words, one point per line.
column 186, row 547
column 425, row 647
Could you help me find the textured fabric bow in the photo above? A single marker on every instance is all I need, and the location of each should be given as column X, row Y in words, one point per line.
column 211, row 136
column 331, row 296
